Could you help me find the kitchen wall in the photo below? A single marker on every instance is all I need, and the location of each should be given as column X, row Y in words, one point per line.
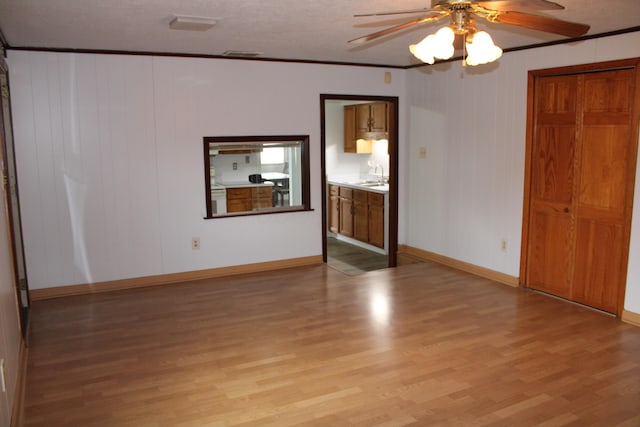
column 346, row 167
column 467, row 194
column 109, row 152
column 226, row 173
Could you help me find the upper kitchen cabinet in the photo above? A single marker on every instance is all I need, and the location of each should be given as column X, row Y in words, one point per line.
column 350, row 145
column 363, row 123
column 372, row 120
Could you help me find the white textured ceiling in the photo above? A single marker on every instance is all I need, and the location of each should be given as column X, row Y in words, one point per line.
column 286, row 29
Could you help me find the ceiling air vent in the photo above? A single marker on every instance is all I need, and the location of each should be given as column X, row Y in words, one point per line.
column 241, row 54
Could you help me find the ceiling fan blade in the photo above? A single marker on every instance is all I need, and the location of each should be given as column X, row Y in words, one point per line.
column 522, row 5
column 400, row 27
column 541, row 23
column 397, row 12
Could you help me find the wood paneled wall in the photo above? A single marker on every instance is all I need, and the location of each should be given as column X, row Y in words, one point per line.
column 110, row 161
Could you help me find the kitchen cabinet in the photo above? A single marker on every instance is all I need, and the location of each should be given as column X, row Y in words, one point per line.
column 362, row 123
column 239, row 199
column 376, row 219
column 244, row 199
column 262, row 197
column 371, row 118
column 358, row 214
column 350, row 145
column 334, row 208
column 346, row 212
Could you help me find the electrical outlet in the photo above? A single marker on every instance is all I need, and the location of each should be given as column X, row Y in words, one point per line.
column 503, row 245
column 235, row 166
column 247, row 159
column 195, row 243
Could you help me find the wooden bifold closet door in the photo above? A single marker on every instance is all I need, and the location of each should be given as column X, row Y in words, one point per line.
column 581, row 171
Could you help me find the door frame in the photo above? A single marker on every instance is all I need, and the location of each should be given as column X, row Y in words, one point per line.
column 632, row 63
column 13, row 218
column 392, row 256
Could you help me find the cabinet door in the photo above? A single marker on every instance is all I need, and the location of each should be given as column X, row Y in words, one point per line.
column 360, row 216
column 334, row 214
column 239, row 200
column 346, row 212
column 350, row 129
column 363, row 118
column 334, row 208
column 261, row 197
column 378, row 117
column 376, row 219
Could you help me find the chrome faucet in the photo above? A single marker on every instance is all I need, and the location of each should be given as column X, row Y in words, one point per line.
column 381, row 180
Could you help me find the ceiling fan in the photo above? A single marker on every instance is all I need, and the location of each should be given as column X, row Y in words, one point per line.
column 463, row 14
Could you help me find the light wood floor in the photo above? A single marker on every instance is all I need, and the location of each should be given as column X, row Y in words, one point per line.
column 419, row 345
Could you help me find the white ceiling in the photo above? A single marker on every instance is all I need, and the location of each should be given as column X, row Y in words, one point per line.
column 286, row 29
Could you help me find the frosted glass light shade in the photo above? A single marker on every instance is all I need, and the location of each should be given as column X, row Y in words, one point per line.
column 438, row 45
column 482, row 49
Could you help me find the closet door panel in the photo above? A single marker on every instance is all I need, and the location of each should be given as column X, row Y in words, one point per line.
column 598, row 261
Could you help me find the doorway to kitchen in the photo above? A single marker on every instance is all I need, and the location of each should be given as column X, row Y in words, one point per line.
column 10, row 181
column 359, row 169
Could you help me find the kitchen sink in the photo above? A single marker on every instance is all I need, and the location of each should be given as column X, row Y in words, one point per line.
column 370, row 184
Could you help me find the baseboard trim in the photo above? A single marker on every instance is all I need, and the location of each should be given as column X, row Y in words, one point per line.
column 21, row 385
column 630, row 317
column 496, row 276
column 172, row 278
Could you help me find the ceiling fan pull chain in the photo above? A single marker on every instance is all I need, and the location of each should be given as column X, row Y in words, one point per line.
column 464, row 49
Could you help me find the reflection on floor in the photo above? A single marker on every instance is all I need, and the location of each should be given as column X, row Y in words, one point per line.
column 351, row 259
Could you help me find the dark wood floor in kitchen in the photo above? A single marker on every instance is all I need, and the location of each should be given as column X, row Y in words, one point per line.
column 351, row 259
column 420, row 345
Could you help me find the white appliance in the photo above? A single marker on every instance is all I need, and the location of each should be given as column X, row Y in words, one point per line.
column 218, row 199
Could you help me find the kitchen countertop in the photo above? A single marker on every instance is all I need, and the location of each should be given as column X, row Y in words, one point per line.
column 383, row 189
column 243, row 184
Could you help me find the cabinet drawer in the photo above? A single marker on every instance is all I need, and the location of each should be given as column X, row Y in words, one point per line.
column 238, row 193
column 376, row 199
column 261, row 192
column 334, row 190
column 347, row 193
column 360, row 196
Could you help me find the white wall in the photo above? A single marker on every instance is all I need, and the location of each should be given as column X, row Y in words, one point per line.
column 109, row 152
column 467, row 194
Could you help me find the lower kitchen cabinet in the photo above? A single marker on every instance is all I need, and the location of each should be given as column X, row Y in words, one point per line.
column 246, row 199
column 346, row 212
column 376, row 219
column 262, row 197
column 360, row 215
column 239, row 199
column 357, row 213
column 334, row 208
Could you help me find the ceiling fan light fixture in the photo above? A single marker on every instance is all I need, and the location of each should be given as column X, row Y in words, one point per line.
column 438, row 45
column 481, row 49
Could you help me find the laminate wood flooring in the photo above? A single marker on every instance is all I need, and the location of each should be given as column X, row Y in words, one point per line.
column 419, row 345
